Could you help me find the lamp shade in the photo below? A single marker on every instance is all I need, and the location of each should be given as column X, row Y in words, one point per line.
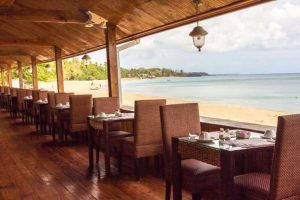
column 48, row 68
column 86, row 59
column 198, row 34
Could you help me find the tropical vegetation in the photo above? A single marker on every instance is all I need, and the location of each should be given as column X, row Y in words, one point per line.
column 75, row 69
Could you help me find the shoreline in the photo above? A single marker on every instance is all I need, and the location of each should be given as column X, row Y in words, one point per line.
column 220, row 111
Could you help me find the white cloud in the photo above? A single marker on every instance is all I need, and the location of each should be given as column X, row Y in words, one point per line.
column 258, row 39
column 274, row 25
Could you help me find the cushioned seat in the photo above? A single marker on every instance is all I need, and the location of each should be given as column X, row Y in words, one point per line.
column 195, row 171
column 78, row 127
column 195, row 167
column 106, row 105
column 96, row 125
column 178, row 120
column 119, row 134
column 256, row 185
column 140, row 151
column 80, row 109
column 147, row 140
column 284, row 181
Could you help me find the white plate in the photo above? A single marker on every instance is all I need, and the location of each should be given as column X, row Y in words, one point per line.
column 204, row 141
column 101, row 117
column 263, row 137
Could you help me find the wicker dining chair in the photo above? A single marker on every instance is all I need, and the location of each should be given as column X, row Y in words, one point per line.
column 43, row 94
column 146, row 140
column 62, row 98
column 28, row 116
column 29, row 92
column 107, row 105
column 51, row 104
column 179, row 120
column 21, row 93
column 14, row 102
column 1, row 96
column 284, row 180
column 33, row 111
column 80, row 109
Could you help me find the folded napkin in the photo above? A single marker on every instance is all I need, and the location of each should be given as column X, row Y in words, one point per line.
column 248, row 143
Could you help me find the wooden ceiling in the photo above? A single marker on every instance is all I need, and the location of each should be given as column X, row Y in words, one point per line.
column 33, row 28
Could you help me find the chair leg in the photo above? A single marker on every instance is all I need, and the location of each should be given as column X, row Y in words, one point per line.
column 97, row 154
column 156, row 163
column 136, row 169
column 120, row 161
column 66, row 132
column 196, row 196
column 168, row 190
column 147, row 159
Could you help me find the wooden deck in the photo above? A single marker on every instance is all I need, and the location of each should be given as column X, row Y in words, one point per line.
column 32, row 167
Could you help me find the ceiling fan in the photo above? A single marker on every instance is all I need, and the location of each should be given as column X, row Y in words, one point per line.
column 95, row 19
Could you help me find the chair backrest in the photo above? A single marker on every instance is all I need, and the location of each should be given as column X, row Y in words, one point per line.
column 43, row 94
column 29, row 92
column 285, row 178
column 6, row 90
column 105, row 104
column 13, row 92
column 62, row 98
column 81, row 108
column 35, row 95
column 21, row 93
column 51, row 99
column 178, row 120
column 147, row 125
column 9, row 90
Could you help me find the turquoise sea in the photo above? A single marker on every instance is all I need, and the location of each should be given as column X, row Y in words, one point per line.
column 279, row 92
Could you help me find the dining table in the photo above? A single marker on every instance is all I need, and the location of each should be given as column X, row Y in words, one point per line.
column 105, row 122
column 14, row 106
column 41, row 114
column 27, row 107
column 217, row 152
column 61, row 113
column 8, row 101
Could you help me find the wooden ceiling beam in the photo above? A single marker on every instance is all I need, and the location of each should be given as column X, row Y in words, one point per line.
column 48, row 16
column 4, row 63
column 19, row 42
column 6, row 3
column 13, row 53
column 202, row 16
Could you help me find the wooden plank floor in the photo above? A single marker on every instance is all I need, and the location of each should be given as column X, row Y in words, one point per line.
column 32, row 167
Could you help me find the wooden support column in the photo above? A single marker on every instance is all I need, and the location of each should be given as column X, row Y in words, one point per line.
column 34, row 73
column 9, row 76
column 59, row 70
column 112, row 62
column 20, row 72
column 2, row 77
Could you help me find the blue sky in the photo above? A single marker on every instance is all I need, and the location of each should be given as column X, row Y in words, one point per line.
column 261, row 39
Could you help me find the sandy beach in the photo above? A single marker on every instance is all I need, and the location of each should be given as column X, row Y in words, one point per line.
column 222, row 111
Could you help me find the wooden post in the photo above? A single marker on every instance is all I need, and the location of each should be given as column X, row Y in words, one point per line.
column 34, row 73
column 112, row 63
column 2, row 77
column 20, row 72
column 9, row 76
column 59, row 70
